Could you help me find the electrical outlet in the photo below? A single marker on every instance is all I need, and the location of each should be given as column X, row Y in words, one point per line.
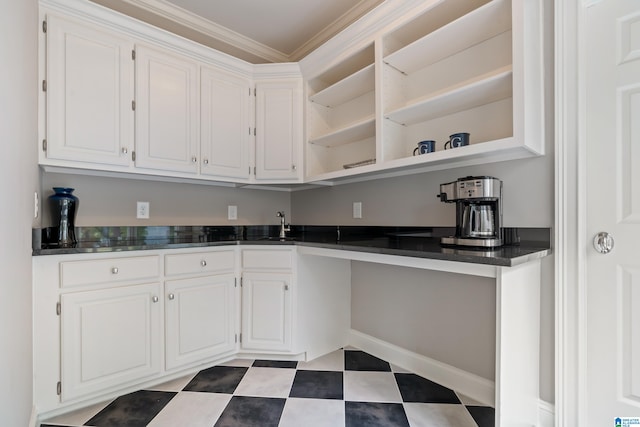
column 357, row 209
column 142, row 210
column 232, row 212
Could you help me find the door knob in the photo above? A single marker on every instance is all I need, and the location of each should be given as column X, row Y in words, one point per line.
column 603, row 242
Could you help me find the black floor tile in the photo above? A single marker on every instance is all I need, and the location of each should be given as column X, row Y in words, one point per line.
column 484, row 416
column 318, row 385
column 132, row 410
column 364, row 414
column 275, row 364
column 414, row 388
column 251, row 412
column 219, row 379
column 356, row 360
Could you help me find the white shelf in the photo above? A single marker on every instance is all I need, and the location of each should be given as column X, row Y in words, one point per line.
column 482, row 152
column 358, row 131
column 347, row 89
column 482, row 24
column 475, row 92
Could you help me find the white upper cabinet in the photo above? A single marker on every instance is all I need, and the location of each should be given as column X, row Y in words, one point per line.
column 167, row 105
column 443, row 67
column 225, row 128
column 278, row 129
column 89, row 90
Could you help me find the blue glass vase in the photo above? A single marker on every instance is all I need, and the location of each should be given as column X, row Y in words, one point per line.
column 64, row 206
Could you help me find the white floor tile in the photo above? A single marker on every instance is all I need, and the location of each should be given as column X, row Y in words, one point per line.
column 242, row 363
column 399, row 370
column 191, row 409
column 266, row 382
column 175, row 385
column 333, row 361
column 80, row 416
column 312, row 413
column 371, row 387
column 438, row 415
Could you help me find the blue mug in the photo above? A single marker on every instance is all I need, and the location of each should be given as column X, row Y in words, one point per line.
column 457, row 140
column 424, row 147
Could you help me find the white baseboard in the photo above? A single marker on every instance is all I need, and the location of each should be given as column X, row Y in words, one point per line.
column 471, row 385
column 546, row 414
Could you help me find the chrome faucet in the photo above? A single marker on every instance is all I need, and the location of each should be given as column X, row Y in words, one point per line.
column 283, row 227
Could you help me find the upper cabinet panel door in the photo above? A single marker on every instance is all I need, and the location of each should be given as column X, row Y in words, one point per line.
column 166, row 111
column 224, row 124
column 278, row 129
column 89, row 92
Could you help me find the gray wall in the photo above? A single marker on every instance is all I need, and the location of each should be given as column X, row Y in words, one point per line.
column 112, row 201
column 19, row 174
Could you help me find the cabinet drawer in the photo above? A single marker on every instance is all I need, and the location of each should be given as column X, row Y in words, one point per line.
column 261, row 259
column 111, row 270
column 200, row 262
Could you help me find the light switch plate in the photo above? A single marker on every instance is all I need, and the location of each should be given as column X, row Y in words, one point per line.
column 357, row 210
column 232, row 212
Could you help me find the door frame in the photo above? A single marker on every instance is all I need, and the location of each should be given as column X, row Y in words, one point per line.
column 570, row 214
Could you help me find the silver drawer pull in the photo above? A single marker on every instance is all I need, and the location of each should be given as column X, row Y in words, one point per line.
column 155, row 299
column 203, row 263
column 114, row 270
column 171, row 296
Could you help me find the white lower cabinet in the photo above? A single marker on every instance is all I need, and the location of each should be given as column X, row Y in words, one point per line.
column 266, row 311
column 109, row 337
column 200, row 319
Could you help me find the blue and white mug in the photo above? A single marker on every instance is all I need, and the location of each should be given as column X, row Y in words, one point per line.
column 457, row 140
column 425, row 147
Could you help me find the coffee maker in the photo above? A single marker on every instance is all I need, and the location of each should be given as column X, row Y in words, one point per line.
column 478, row 202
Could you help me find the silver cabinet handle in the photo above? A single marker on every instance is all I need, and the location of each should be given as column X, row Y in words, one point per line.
column 294, row 168
column 194, row 159
column 603, row 242
column 205, row 161
column 155, row 299
column 171, row 296
column 114, row 270
column 203, row 263
column 125, row 150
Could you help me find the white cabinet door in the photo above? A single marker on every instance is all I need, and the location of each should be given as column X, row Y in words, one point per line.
column 200, row 319
column 266, row 311
column 224, row 124
column 110, row 337
column 90, row 75
column 278, row 129
column 166, row 111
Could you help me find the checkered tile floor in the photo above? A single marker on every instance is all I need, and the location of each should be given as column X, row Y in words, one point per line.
column 347, row 388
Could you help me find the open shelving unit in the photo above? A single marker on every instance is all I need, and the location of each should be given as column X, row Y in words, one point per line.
column 444, row 67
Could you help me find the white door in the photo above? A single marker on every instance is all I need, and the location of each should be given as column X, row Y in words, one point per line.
column 278, row 129
column 200, row 315
column 266, row 311
column 89, row 93
column 166, row 111
column 110, row 337
column 612, row 132
column 224, row 124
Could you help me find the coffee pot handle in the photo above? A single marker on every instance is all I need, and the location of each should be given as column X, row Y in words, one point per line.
column 415, row 150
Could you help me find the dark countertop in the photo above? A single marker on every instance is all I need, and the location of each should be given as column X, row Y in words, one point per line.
column 526, row 244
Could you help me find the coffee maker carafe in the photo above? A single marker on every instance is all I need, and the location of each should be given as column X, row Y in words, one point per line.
column 478, row 202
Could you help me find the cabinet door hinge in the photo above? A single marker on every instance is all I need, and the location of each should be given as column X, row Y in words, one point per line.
column 254, row 132
column 254, row 92
column 44, row 85
column 44, row 26
column 59, row 388
column 254, row 170
column 44, row 145
column 133, row 105
column 236, row 338
column 133, row 156
column 241, row 338
column 58, row 308
column 133, row 54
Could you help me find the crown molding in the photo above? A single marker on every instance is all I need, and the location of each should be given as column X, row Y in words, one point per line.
column 176, row 14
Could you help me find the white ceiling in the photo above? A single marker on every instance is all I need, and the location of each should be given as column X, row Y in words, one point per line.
column 255, row 30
